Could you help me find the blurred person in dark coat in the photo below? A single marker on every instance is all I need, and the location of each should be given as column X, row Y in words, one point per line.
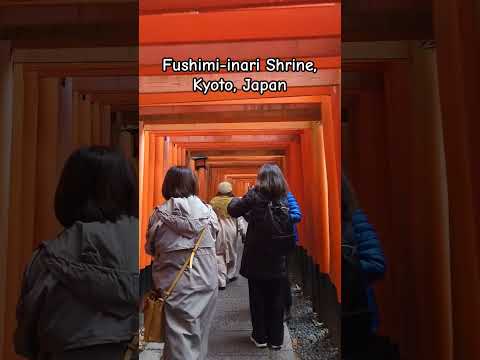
column 79, row 298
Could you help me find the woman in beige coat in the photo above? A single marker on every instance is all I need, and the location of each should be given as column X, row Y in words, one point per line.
column 173, row 230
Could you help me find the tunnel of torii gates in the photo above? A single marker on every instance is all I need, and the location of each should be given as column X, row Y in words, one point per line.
column 225, row 136
column 417, row 192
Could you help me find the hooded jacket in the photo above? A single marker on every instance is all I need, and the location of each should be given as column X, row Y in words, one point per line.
column 80, row 289
column 176, row 225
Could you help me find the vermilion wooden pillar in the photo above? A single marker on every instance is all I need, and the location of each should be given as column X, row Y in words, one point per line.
column 96, row 124
column 23, row 197
column 65, row 135
column 321, row 208
column 76, row 130
column 429, row 212
column 6, row 125
column 202, row 183
column 85, row 120
column 457, row 31
column 331, row 149
column 306, row 153
column 191, row 164
column 46, row 225
column 106, row 127
column 158, row 168
column 295, row 162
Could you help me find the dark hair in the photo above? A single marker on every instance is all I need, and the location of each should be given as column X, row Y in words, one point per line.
column 97, row 184
column 179, row 182
column 271, row 182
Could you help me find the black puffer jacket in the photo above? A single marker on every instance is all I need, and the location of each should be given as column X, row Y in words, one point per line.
column 80, row 290
column 258, row 260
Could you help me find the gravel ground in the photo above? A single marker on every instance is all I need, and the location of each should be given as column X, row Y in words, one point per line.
column 310, row 339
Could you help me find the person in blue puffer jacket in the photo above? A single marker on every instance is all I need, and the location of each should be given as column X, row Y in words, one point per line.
column 371, row 256
column 295, row 216
column 294, row 212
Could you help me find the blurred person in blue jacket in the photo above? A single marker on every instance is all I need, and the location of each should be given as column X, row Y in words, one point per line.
column 372, row 259
column 368, row 248
column 295, row 216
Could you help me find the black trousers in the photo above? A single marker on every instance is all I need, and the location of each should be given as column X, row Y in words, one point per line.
column 288, row 294
column 267, row 304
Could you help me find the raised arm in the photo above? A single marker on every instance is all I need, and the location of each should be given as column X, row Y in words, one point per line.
column 240, row 207
column 294, row 209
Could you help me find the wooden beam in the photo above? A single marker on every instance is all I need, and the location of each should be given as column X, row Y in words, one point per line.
column 245, row 108
column 214, row 127
column 239, row 164
column 237, row 117
column 283, row 23
column 235, row 146
column 73, row 36
column 184, row 83
column 154, row 6
column 196, row 99
column 116, row 54
column 246, row 157
column 105, row 84
column 227, row 131
column 126, row 98
column 124, row 107
column 376, row 50
column 87, row 69
column 234, row 138
column 241, row 152
column 387, row 25
column 62, row 2
column 36, row 13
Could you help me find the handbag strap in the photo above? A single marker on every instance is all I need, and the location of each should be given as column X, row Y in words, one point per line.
column 185, row 265
column 132, row 348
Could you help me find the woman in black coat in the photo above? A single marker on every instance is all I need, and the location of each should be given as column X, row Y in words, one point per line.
column 264, row 267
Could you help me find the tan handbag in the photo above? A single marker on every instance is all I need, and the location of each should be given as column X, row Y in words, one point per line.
column 154, row 316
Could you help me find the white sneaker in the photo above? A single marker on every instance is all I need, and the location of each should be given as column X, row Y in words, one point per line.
column 258, row 345
column 275, row 347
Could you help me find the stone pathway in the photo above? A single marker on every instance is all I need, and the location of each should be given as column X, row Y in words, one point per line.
column 229, row 336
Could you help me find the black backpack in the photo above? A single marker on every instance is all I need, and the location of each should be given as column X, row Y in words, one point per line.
column 279, row 227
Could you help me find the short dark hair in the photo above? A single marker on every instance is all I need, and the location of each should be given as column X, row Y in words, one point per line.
column 97, row 184
column 271, row 182
column 179, row 182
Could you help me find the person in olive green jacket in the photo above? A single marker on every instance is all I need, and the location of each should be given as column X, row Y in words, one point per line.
column 229, row 240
